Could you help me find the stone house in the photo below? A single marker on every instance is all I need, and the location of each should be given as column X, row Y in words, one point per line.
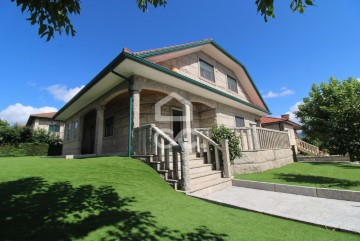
column 148, row 104
column 46, row 122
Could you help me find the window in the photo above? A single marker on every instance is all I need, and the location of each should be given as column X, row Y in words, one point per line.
column 54, row 128
column 109, row 126
column 71, row 131
column 239, row 121
column 206, row 71
column 232, row 84
column 281, row 127
column 67, row 131
column 75, row 130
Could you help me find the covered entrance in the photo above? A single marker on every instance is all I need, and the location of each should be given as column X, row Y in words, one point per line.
column 88, row 134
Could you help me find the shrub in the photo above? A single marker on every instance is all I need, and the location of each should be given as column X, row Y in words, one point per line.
column 221, row 132
column 24, row 149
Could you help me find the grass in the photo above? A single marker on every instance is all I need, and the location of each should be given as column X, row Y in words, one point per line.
column 324, row 175
column 114, row 198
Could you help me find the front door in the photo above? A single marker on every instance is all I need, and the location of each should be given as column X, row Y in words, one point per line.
column 177, row 122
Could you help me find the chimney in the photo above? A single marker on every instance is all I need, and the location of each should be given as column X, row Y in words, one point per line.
column 285, row 116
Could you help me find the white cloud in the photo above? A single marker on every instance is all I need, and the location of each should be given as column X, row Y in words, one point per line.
column 19, row 113
column 62, row 92
column 292, row 110
column 358, row 79
column 284, row 91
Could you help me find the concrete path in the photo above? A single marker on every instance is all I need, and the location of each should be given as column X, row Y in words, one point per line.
column 337, row 214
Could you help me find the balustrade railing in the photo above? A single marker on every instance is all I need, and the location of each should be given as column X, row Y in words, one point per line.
column 256, row 138
column 203, row 144
column 307, row 147
column 150, row 140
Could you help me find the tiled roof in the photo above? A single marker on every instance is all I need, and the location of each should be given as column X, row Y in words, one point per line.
column 166, row 48
column 44, row 115
column 267, row 120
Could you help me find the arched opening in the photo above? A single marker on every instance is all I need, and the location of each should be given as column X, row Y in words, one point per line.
column 88, row 133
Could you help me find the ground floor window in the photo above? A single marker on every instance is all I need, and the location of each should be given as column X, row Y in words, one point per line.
column 239, row 121
column 54, row 128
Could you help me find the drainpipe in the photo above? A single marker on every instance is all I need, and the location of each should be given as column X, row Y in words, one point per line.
column 130, row 113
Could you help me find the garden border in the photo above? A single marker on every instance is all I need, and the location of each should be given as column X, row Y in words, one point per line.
column 328, row 193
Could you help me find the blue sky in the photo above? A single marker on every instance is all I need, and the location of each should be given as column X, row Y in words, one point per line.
column 284, row 56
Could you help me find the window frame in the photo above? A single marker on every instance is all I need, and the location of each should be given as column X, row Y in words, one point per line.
column 228, row 77
column 54, row 128
column 210, row 65
column 243, row 121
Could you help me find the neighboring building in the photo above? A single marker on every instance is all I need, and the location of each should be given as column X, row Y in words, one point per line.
column 282, row 124
column 175, row 89
column 46, row 122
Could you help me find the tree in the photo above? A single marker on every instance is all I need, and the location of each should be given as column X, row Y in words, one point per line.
column 331, row 116
column 52, row 16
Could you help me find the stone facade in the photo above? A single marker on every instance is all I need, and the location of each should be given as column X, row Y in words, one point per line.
column 262, row 160
column 188, row 65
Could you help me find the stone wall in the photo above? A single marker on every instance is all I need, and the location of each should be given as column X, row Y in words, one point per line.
column 118, row 142
column 261, row 160
column 188, row 65
column 323, row 159
column 225, row 115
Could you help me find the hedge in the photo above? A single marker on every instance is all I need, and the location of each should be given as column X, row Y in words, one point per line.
column 29, row 149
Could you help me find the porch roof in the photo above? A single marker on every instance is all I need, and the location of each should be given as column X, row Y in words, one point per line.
column 128, row 64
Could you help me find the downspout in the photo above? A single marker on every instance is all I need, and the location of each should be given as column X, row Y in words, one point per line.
column 130, row 114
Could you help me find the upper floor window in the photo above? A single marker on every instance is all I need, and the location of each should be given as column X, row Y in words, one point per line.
column 232, row 84
column 109, row 126
column 239, row 121
column 207, row 71
column 54, row 128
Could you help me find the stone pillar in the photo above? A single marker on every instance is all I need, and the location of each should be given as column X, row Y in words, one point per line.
column 185, row 166
column 255, row 137
column 226, row 158
column 134, row 92
column 136, row 108
column 99, row 130
column 187, row 123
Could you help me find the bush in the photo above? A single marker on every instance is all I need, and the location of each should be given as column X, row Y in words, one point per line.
column 219, row 133
column 24, row 149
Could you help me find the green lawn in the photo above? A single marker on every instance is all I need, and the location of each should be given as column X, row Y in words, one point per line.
column 117, row 198
column 324, row 175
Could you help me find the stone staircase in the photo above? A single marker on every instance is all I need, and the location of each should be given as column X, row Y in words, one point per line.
column 204, row 180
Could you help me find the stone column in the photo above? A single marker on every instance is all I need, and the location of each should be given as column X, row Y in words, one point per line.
column 255, row 137
column 99, row 130
column 136, row 108
column 226, row 158
column 134, row 92
column 185, row 166
column 187, row 122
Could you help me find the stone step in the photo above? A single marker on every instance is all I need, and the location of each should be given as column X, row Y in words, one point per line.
column 200, row 174
column 208, row 176
column 200, row 168
column 203, row 190
column 172, row 183
column 202, row 185
column 196, row 162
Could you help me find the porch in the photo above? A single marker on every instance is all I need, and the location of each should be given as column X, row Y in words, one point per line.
column 201, row 166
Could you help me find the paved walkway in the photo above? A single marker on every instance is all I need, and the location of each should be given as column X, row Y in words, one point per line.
column 326, row 212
